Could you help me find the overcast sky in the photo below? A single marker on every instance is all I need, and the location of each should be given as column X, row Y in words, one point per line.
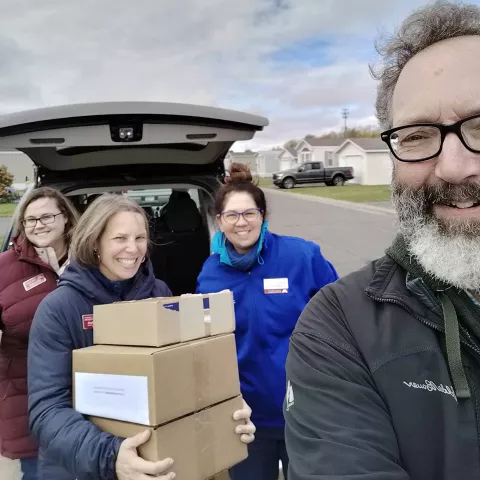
column 298, row 62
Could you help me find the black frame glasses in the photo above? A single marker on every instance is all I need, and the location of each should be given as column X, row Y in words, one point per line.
column 455, row 128
column 238, row 214
column 51, row 219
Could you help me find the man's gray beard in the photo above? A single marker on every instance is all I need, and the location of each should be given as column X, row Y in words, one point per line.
column 447, row 250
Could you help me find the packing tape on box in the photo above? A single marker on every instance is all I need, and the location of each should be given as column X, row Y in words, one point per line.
column 201, row 374
column 204, row 436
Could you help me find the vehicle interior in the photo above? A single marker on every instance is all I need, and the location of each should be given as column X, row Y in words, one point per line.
column 167, row 157
column 180, row 224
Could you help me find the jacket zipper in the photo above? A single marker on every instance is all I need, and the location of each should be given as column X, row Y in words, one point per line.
column 420, row 319
column 258, row 322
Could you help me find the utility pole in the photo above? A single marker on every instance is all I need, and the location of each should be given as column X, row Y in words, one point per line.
column 345, row 116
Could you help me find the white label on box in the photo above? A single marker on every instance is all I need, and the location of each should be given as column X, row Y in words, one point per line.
column 119, row 397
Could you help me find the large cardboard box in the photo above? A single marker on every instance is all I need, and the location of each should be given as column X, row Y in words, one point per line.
column 201, row 445
column 163, row 321
column 151, row 386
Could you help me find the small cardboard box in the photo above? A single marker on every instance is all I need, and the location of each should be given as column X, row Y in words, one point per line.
column 163, row 321
column 151, row 386
column 201, row 445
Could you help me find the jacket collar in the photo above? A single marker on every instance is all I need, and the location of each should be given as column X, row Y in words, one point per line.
column 391, row 284
column 27, row 252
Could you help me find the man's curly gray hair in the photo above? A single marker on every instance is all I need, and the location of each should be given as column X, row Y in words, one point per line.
column 423, row 28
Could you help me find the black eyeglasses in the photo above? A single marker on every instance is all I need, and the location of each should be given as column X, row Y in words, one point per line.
column 44, row 220
column 249, row 215
column 422, row 141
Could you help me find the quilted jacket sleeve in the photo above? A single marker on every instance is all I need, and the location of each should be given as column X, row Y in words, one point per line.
column 80, row 447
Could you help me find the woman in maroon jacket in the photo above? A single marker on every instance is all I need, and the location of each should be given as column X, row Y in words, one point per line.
column 29, row 271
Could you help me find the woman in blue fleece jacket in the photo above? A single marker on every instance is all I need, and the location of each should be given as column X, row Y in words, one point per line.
column 109, row 264
column 272, row 278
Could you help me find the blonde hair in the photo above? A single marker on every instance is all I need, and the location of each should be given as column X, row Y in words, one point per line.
column 63, row 204
column 93, row 223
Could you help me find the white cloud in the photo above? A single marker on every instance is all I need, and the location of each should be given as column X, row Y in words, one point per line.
column 213, row 52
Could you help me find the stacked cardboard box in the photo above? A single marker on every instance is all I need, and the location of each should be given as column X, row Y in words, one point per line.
column 168, row 364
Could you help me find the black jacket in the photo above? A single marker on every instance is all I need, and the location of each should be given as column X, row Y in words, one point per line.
column 369, row 391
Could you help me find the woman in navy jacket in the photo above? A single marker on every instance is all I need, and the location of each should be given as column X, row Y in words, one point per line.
column 109, row 251
column 272, row 278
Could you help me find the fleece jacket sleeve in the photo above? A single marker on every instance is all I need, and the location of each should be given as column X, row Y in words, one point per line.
column 337, row 424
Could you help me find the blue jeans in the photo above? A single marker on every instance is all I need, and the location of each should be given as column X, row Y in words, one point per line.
column 28, row 466
column 264, row 454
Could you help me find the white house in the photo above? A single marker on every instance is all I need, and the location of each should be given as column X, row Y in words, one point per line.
column 288, row 158
column 370, row 159
column 268, row 162
column 20, row 166
column 313, row 149
column 249, row 158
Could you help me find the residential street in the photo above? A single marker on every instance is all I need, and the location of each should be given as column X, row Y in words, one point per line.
column 348, row 237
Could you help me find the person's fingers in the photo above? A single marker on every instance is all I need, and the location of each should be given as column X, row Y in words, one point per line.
column 151, row 468
column 168, row 476
column 247, row 438
column 139, row 439
column 242, row 414
column 248, row 429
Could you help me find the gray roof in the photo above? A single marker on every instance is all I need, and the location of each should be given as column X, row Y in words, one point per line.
column 242, row 154
column 270, row 153
column 139, row 108
column 324, row 142
column 291, row 151
column 369, row 144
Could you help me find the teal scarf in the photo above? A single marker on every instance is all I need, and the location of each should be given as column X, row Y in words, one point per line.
column 229, row 256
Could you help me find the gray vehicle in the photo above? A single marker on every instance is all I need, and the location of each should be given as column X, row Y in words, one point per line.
column 312, row 172
column 168, row 157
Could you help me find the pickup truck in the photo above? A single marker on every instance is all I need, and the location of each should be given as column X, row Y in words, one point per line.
column 312, row 172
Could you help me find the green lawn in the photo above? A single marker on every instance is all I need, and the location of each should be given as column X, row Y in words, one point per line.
column 349, row 193
column 7, row 209
column 265, row 182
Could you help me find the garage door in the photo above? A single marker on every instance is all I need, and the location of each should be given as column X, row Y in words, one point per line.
column 379, row 168
column 285, row 164
column 355, row 161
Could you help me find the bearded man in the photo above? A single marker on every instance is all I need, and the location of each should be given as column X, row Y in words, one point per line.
column 384, row 365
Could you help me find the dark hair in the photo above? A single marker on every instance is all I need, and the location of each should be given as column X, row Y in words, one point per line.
column 63, row 205
column 240, row 179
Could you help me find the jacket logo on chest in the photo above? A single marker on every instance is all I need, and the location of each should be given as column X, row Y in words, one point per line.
column 87, row 321
column 34, row 282
column 432, row 387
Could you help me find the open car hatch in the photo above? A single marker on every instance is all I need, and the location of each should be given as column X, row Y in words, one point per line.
column 81, row 137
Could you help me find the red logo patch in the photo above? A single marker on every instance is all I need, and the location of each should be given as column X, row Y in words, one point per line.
column 87, row 321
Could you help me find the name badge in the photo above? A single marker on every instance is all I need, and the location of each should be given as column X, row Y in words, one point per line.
column 87, row 321
column 275, row 285
column 34, row 282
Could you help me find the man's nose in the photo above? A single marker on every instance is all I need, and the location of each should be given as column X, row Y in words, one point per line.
column 456, row 164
